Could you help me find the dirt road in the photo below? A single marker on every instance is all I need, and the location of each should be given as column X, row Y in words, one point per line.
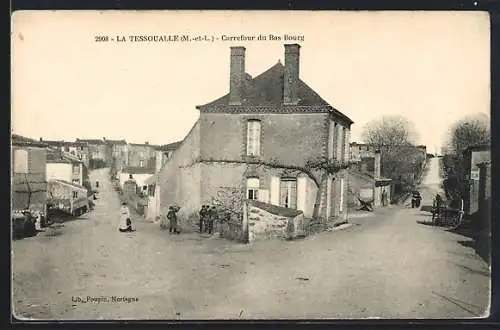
column 385, row 265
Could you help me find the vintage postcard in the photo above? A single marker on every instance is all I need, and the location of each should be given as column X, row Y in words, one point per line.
column 215, row 165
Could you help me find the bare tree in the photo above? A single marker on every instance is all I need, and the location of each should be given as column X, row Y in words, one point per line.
column 394, row 136
column 468, row 131
column 465, row 132
column 389, row 131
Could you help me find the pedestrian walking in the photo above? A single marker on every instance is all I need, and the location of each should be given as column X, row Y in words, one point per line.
column 437, row 204
column 125, row 219
column 203, row 217
column 172, row 217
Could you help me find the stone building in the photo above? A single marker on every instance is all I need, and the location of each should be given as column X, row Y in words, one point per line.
column 141, row 155
column 29, row 182
column 477, row 169
column 98, row 152
column 257, row 138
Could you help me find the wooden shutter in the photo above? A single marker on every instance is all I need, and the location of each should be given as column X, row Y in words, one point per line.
column 292, row 191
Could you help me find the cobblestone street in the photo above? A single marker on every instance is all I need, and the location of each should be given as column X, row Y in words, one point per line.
column 385, row 265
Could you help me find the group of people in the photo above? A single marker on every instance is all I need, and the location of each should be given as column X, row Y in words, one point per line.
column 208, row 216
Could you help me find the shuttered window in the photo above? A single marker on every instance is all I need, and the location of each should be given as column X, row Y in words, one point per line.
column 253, row 138
column 253, row 185
column 288, row 193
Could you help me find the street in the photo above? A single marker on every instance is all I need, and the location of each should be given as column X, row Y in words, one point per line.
column 386, row 265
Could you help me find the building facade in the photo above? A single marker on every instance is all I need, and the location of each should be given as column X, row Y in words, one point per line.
column 29, row 183
column 477, row 165
column 259, row 139
column 64, row 166
column 118, row 153
column 141, row 155
column 98, row 152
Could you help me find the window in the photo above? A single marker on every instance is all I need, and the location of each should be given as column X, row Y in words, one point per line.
column 77, row 181
column 253, row 185
column 253, row 138
column 151, row 190
column 75, row 194
column 141, row 163
column 288, row 193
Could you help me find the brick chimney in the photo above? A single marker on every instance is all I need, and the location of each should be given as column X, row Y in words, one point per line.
column 291, row 78
column 236, row 75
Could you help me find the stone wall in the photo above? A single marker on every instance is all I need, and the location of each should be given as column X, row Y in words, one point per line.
column 291, row 138
column 180, row 181
column 266, row 221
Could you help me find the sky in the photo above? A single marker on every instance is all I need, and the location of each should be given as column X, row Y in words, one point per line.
column 431, row 67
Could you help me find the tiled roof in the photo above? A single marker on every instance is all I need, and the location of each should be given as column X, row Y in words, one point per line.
column 71, row 157
column 116, row 142
column 138, row 170
column 74, row 185
column 56, row 156
column 91, row 141
column 264, row 94
column 169, row 147
column 478, row 147
column 142, row 145
column 18, row 140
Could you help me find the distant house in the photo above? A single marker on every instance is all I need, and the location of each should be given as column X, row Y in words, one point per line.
column 118, row 153
column 139, row 174
column 366, row 181
column 78, row 149
column 64, row 166
column 164, row 152
column 98, row 152
column 29, row 184
column 141, row 155
column 477, row 166
column 253, row 138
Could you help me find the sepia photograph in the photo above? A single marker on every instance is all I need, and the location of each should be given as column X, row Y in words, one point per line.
column 244, row 165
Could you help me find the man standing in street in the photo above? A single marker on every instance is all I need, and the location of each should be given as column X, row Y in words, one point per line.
column 172, row 217
column 212, row 217
column 203, row 218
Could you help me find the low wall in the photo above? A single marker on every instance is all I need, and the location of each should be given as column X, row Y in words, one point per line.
column 267, row 221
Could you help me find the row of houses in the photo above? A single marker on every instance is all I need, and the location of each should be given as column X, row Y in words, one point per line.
column 117, row 154
column 42, row 173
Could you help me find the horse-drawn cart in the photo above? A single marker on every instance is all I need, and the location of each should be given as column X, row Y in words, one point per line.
column 447, row 215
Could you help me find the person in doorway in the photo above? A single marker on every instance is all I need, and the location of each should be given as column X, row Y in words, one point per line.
column 125, row 219
column 172, row 217
column 384, row 197
column 203, row 218
column 97, row 184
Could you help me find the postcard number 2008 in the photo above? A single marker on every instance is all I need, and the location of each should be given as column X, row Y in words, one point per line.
column 101, row 38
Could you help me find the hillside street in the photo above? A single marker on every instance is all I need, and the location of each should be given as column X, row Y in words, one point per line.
column 386, row 265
